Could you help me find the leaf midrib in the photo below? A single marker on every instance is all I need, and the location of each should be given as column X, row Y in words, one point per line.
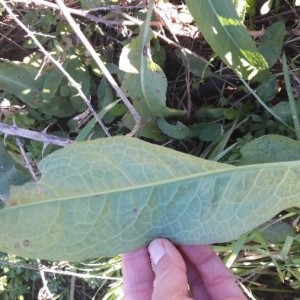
column 170, row 181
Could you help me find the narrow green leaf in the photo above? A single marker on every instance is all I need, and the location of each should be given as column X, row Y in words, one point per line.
column 225, row 32
column 107, row 196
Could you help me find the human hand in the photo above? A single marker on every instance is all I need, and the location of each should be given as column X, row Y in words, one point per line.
column 173, row 270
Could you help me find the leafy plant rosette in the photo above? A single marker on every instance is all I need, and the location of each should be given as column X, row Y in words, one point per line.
column 112, row 195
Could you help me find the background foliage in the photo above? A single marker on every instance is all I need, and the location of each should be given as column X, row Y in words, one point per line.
column 213, row 92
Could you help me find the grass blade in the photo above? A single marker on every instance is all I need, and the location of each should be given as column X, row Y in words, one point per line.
column 287, row 80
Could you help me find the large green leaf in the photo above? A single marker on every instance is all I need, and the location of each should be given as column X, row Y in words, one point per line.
column 224, row 30
column 111, row 195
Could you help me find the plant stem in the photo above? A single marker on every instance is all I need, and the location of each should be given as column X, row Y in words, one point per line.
column 58, row 271
column 34, row 135
column 26, row 159
column 72, row 288
column 45, row 288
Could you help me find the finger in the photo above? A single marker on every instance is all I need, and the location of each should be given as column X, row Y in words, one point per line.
column 217, row 278
column 195, row 282
column 170, row 272
column 137, row 275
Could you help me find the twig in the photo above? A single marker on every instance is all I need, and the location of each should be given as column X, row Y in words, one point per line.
column 73, row 83
column 59, row 272
column 160, row 12
column 26, row 159
column 78, row 12
column 44, row 280
column 101, row 65
column 72, row 288
column 117, row 7
column 34, row 135
column 6, row 36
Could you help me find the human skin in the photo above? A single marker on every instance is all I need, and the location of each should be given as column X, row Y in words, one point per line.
column 163, row 271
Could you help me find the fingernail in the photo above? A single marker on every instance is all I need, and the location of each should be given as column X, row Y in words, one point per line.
column 157, row 251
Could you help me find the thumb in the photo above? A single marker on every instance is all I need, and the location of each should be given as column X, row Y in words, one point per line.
column 170, row 271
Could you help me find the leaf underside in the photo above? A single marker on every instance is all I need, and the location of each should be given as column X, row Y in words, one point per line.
column 112, row 195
